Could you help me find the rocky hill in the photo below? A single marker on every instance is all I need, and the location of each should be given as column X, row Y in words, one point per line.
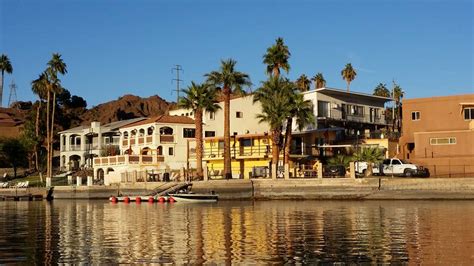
column 126, row 107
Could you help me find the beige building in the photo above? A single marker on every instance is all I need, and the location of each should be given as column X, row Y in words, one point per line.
column 438, row 133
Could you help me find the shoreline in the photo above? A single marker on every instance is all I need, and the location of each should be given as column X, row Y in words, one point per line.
column 297, row 189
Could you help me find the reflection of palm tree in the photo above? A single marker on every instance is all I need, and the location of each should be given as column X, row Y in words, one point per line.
column 231, row 82
column 199, row 98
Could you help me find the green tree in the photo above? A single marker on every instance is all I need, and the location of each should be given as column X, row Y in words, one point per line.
column 39, row 87
column 273, row 97
column 371, row 155
column 381, row 90
column 303, row 83
column 340, row 159
column 398, row 94
column 277, row 57
column 319, row 81
column 13, row 151
column 231, row 82
column 5, row 66
column 348, row 74
column 199, row 98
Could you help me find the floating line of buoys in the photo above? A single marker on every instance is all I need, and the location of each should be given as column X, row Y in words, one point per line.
column 139, row 199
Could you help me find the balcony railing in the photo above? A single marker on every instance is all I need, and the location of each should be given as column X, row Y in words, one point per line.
column 365, row 118
column 166, row 138
column 257, row 151
column 128, row 159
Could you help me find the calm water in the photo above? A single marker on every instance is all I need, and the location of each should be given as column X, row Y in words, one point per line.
column 272, row 232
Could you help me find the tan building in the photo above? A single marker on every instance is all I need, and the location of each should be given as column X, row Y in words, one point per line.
column 438, row 133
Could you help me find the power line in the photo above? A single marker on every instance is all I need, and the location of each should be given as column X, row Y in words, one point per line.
column 177, row 68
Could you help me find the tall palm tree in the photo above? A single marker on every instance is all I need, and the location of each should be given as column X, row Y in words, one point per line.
column 398, row 94
column 319, row 81
column 5, row 66
column 277, row 57
column 39, row 87
column 55, row 66
column 199, row 98
column 273, row 97
column 381, row 90
column 231, row 82
column 303, row 83
column 302, row 111
column 348, row 74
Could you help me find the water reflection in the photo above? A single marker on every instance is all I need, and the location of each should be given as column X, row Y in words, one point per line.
column 273, row 232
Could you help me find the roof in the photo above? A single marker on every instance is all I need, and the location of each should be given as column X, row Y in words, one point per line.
column 164, row 119
column 104, row 128
column 339, row 92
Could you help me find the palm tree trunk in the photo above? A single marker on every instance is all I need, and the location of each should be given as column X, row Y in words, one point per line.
column 47, row 134
column 289, row 124
column 275, row 151
column 36, row 144
column 52, row 134
column 348, row 85
column 276, row 72
column 1, row 90
column 199, row 147
column 227, row 159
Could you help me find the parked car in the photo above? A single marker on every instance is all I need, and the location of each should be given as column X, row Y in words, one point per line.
column 393, row 166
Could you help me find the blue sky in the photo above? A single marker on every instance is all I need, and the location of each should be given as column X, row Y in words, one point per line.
column 115, row 47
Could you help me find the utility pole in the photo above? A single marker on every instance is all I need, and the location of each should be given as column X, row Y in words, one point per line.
column 177, row 68
column 12, row 99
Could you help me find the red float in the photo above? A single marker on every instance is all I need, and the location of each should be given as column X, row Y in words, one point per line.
column 138, row 200
column 161, row 200
column 171, row 200
column 151, row 200
column 126, row 199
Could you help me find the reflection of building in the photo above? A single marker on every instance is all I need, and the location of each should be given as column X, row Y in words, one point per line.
column 153, row 145
column 81, row 143
column 438, row 132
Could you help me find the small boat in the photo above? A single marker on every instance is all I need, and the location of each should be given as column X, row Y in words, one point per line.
column 191, row 197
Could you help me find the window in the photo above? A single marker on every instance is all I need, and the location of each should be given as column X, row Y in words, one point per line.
column 189, row 132
column 323, row 109
column 221, row 144
column 469, row 113
column 191, row 114
column 396, row 162
column 212, row 115
column 443, row 141
column 239, row 114
column 245, row 142
column 359, row 110
column 208, row 134
column 415, row 115
column 170, row 151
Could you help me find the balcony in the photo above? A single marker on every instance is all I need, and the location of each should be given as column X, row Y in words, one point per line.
column 167, row 138
column 359, row 118
column 128, row 159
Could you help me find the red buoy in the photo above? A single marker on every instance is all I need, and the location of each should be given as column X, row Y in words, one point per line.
column 126, row 199
column 171, row 199
column 161, row 200
column 138, row 200
column 151, row 200
column 113, row 199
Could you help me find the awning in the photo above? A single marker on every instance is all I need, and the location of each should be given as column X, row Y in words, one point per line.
column 465, row 105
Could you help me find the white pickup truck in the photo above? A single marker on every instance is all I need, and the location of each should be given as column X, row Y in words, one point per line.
column 389, row 167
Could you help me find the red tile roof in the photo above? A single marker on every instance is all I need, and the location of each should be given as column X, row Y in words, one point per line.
column 164, row 119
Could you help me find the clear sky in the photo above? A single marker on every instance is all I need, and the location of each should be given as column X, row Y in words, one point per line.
column 115, row 47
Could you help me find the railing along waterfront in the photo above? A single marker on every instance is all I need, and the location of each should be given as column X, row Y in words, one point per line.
column 128, row 159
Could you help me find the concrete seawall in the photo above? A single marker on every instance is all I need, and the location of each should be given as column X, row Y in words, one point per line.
column 350, row 189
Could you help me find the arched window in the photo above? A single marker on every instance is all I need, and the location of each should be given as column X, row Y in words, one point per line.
column 133, row 133
column 141, row 132
column 160, row 150
column 145, row 151
column 150, row 131
column 166, row 131
column 125, row 135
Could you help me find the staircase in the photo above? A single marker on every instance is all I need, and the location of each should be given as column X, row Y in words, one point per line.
column 166, row 188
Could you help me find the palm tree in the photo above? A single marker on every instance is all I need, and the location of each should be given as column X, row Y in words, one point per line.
column 381, row 90
column 39, row 87
column 231, row 82
column 303, row 83
column 319, row 81
column 5, row 66
column 273, row 97
column 199, row 98
column 302, row 111
column 55, row 65
column 277, row 57
column 348, row 74
column 398, row 94
column 371, row 155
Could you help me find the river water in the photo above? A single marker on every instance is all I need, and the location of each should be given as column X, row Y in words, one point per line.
column 265, row 232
